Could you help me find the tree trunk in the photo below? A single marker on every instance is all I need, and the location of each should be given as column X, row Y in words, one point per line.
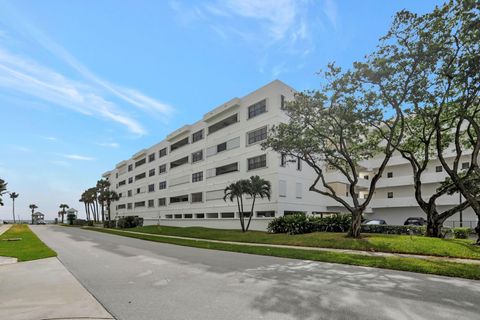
column 477, row 230
column 103, row 211
column 240, row 213
column 108, row 210
column 32, row 216
column 13, row 200
column 356, row 225
column 434, row 227
column 63, row 214
column 251, row 213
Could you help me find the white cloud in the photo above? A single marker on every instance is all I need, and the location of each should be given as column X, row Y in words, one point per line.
column 78, row 157
column 49, row 138
column 331, row 11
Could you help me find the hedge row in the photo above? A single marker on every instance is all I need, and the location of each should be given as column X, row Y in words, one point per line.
column 300, row 223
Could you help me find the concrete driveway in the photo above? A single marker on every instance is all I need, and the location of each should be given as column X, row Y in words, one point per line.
column 136, row 279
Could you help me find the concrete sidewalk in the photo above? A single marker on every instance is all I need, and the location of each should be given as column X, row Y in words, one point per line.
column 45, row 289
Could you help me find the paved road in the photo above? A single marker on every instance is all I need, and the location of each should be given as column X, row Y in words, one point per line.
column 136, row 279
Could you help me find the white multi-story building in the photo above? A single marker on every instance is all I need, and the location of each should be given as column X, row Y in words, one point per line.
column 181, row 180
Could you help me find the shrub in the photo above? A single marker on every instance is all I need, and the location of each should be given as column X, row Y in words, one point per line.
column 300, row 223
column 388, row 229
column 462, row 233
column 79, row 222
column 129, row 222
column 71, row 217
column 109, row 224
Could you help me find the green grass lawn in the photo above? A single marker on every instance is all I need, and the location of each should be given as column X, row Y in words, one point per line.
column 435, row 266
column 456, row 248
column 29, row 248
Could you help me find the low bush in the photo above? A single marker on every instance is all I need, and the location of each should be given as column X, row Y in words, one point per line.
column 71, row 217
column 300, row 223
column 388, row 229
column 82, row 222
column 462, row 233
column 110, row 224
column 129, row 222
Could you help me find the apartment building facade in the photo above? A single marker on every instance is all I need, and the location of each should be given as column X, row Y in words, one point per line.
column 181, row 180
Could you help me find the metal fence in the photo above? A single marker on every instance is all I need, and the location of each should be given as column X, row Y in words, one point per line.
column 458, row 224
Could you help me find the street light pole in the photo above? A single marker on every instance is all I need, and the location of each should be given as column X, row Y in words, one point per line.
column 461, row 211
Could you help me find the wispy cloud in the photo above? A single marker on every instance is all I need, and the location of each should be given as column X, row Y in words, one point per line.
column 109, row 144
column 331, row 11
column 78, row 157
column 49, row 138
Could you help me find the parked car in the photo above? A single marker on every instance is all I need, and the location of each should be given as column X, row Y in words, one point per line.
column 374, row 222
column 415, row 221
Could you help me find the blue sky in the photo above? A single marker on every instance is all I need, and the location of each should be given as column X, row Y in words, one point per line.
column 85, row 84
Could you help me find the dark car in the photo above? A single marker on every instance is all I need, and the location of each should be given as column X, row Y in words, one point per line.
column 374, row 222
column 415, row 221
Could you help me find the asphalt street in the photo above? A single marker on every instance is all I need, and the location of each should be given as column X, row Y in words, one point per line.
column 136, row 279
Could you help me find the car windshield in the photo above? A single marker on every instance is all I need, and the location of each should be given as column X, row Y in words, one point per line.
column 373, row 222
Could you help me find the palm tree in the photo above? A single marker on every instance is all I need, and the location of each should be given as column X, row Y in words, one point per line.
column 62, row 213
column 3, row 189
column 33, row 207
column 235, row 191
column 13, row 195
column 257, row 187
column 110, row 196
column 84, row 199
column 102, row 188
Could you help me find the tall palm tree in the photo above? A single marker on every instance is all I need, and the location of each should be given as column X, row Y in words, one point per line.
column 102, row 189
column 62, row 213
column 236, row 191
column 84, row 199
column 110, row 196
column 33, row 207
column 257, row 187
column 14, row 196
column 3, row 190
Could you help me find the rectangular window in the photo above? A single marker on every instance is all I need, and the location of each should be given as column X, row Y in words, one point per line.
column 438, row 169
column 179, row 162
column 282, row 188
column 162, row 169
column 168, row 216
column 283, row 160
column 129, row 206
column 257, row 162
column 139, row 204
column 212, row 215
column 151, row 172
column 389, row 174
column 177, row 216
column 197, row 156
column 200, row 215
column 162, row 185
column 140, row 176
column 129, row 193
column 151, row 187
column 226, row 169
column 188, row 216
column 162, row 202
column 162, row 152
column 177, row 199
column 299, row 164
column 130, row 167
column 390, row 195
column 257, row 108
column 227, row 215
column 282, row 102
column 221, row 147
column 197, row 136
column 465, row 165
column 298, row 190
column 197, row 176
column 151, row 157
column 257, row 135
column 140, row 162
column 266, row 214
column 223, row 124
column 121, row 206
column 179, row 144
column 151, row 203
column 139, row 190
column 121, row 183
column 197, row 197
column 130, row 180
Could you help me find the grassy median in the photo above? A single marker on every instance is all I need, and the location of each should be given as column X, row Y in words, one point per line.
column 30, row 247
column 433, row 266
column 454, row 248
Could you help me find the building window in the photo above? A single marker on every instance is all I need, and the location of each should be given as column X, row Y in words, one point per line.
column 299, row 164
column 298, row 190
column 200, row 215
column 121, row 206
column 282, row 102
column 121, row 183
column 282, row 188
column 151, row 203
column 389, row 174
column 162, row 152
column 197, row 197
column 140, row 162
column 177, row 216
column 197, row 136
column 151, row 157
column 116, row 175
column 139, row 190
column 168, row 216
column 197, row 176
column 257, row 162
column 177, row 199
column 179, row 162
column 212, row 215
column 129, row 206
column 179, row 144
column 162, row 169
column 197, row 156
column 162, row 185
column 266, row 214
column 226, row 169
column 390, row 195
column 438, row 169
column 227, row 215
column 283, row 160
column 221, row 147
column 257, row 108
column 139, row 204
column 188, row 216
column 140, row 176
column 465, row 165
column 223, row 124
column 130, row 167
column 130, row 180
column 151, row 172
column 257, row 135
column 162, row 202
column 151, row 187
